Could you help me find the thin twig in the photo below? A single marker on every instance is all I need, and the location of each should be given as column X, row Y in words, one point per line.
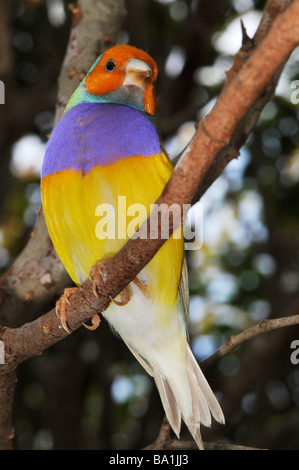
column 234, row 341
column 166, row 441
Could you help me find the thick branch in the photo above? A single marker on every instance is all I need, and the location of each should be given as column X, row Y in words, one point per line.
column 95, row 27
column 245, row 126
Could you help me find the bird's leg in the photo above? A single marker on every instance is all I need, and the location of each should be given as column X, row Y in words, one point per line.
column 61, row 306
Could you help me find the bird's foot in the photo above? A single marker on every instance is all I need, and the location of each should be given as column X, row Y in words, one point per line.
column 124, row 298
column 95, row 321
column 61, row 307
column 95, row 276
column 96, row 273
column 142, row 286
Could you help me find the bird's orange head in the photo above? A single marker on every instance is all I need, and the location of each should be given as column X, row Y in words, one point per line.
column 125, row 75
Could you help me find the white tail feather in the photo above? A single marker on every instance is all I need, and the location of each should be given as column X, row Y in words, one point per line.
column 184, row 391
column 188, row 383
column 169, row 403
column 212, row 402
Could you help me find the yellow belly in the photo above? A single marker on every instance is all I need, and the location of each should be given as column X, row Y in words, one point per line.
column 82, row 232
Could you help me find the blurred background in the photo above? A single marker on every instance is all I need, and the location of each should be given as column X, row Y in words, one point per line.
column 88, row 392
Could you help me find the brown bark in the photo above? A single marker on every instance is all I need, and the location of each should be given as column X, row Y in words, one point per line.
column 7, row 386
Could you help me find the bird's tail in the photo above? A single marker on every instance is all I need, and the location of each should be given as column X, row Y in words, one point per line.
column 186, row 394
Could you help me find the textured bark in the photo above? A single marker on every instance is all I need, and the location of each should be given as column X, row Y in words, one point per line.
column 95, row 27
column 7, row 386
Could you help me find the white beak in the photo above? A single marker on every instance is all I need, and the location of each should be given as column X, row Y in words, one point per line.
column 138, row 73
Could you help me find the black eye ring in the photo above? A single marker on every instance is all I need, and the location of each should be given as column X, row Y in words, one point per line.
column 110, row 65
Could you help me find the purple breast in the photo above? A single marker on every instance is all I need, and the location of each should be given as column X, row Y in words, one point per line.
column 92, row 134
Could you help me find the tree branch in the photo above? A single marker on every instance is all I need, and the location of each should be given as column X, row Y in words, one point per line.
column 262, row 327
column 165, row 441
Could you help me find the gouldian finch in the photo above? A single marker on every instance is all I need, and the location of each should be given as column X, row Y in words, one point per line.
column 106, row 148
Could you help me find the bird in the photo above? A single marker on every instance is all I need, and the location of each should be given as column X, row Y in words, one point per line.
column 106, row 149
